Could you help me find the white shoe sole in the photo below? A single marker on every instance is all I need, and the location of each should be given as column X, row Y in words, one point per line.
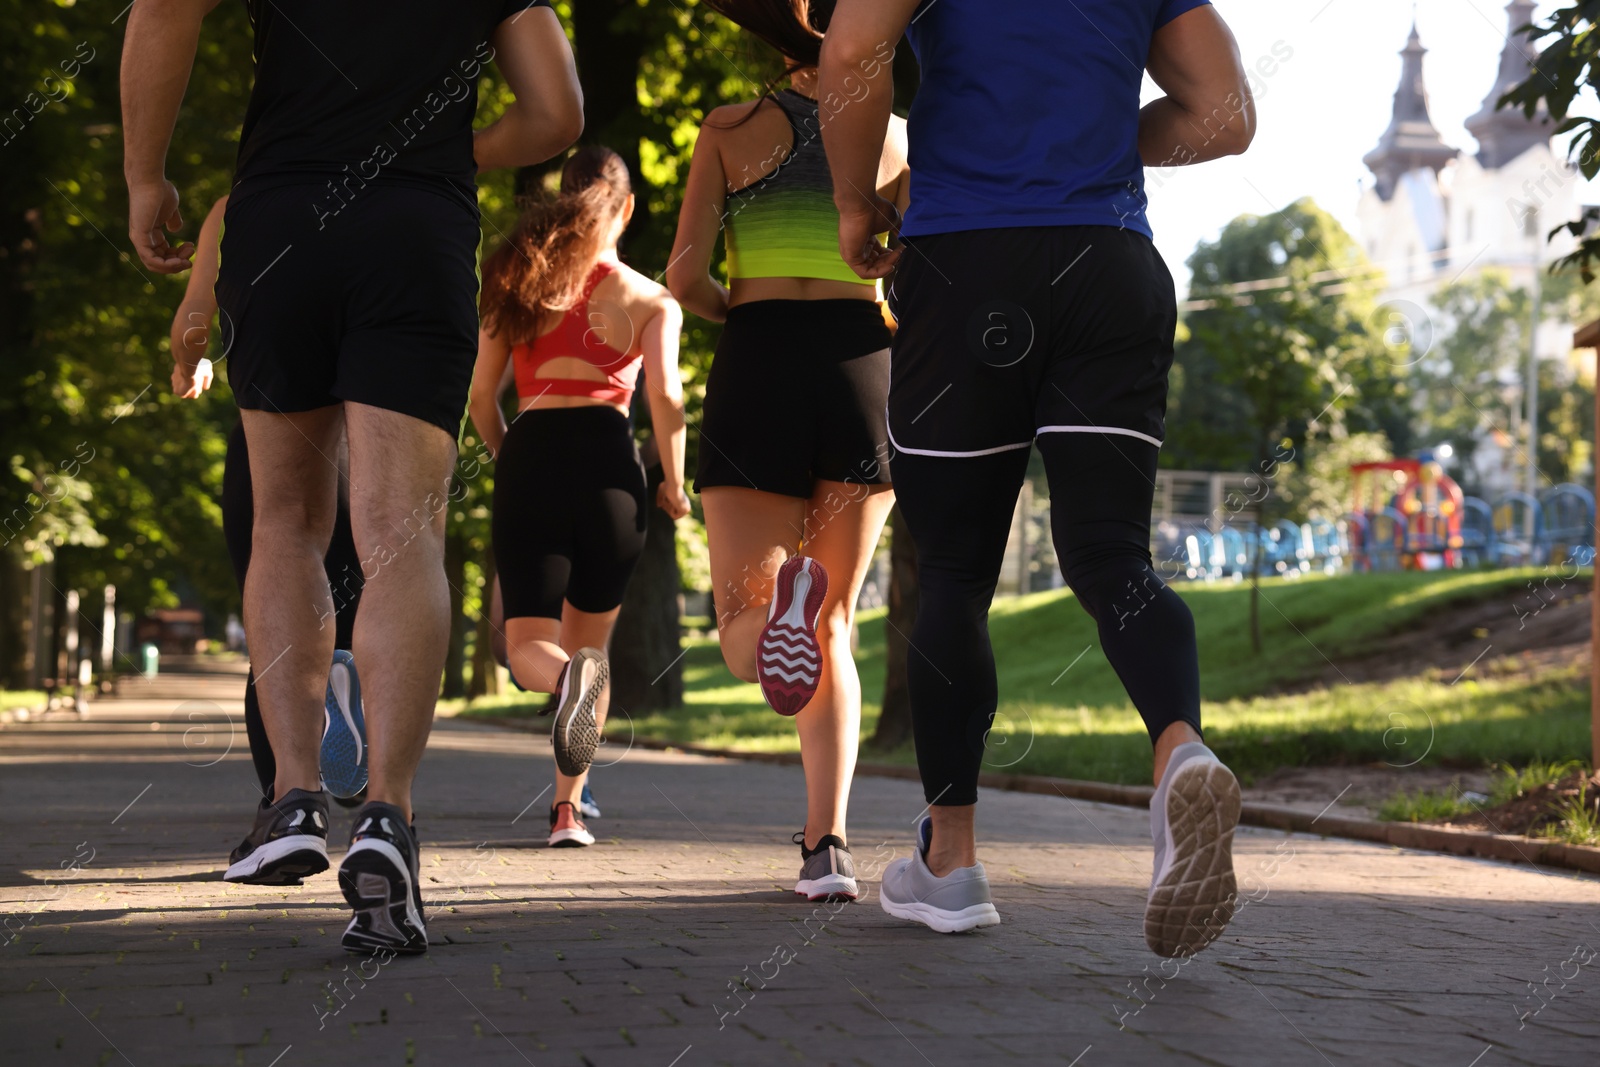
column 1193, row 899
column 832, row 885
column 571, row 839
column 945, row 922
column 306, row 851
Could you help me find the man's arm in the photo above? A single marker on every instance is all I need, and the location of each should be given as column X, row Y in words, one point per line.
column 1208, row 111
column 533, row 54
column 856, row 89
column 157, row 56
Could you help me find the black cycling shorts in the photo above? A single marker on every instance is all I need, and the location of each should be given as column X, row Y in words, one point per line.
column 796, row 396
column 570, row 508
column 375, row 304
column 1008, row 334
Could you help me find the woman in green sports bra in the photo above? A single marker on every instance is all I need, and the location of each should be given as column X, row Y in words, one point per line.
column 794, row 455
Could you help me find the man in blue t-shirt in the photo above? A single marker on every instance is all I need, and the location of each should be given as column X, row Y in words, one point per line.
column 1035, row 311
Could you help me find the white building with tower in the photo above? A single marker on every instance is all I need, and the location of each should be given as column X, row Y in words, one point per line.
column 1434, row 213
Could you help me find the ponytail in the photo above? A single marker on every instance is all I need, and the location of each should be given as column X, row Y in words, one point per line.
column 542, row 267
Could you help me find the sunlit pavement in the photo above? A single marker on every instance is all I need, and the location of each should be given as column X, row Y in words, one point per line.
column 675, row 940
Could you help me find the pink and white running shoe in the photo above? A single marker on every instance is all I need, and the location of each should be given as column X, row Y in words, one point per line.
column 788, row 658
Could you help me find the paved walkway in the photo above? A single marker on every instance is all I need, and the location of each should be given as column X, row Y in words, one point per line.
column 675, row 940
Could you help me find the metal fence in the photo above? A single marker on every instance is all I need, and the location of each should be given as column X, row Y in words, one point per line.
column 1557, row 528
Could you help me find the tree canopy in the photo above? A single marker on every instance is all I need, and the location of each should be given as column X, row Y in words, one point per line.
column 1281, row 345
column 101, row 468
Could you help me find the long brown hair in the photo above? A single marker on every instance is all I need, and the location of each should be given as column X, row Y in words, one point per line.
column 541, row 268
column 793, row 27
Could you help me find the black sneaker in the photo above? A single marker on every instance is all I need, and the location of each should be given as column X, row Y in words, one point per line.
column 379, row 879
column 576, row 732
column 826, row 872
column 288, row 842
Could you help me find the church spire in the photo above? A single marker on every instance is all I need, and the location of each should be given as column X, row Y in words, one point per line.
column 1411, row 141
column 1504, row 135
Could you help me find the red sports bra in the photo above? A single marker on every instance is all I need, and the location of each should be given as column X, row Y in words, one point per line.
column 580, row 335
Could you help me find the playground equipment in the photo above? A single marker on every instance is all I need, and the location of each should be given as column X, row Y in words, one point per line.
column 1406, row 514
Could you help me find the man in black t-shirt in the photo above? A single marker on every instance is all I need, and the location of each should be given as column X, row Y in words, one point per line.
column 348, row 291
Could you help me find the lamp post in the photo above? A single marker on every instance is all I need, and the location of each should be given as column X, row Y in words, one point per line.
column 1532, row 390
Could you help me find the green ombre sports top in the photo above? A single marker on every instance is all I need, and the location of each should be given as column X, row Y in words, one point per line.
column 785, row 225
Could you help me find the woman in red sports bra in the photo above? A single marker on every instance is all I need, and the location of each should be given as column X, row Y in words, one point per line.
column 578, row 326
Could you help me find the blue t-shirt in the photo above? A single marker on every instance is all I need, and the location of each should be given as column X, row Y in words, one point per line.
column 1028, row 113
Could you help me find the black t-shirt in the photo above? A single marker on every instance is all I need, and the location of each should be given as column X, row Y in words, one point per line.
column 355, row 93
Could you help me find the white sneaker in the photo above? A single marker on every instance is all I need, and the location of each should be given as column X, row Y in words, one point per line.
column 1193, row 891
column 951, row 905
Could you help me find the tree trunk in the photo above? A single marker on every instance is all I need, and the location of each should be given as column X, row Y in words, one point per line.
column 56, row 629
column 646, row 647
column 14, row 631
column 894, row 727
column 485, row 678
column 608, row 61
column 1255, row 578
column 455, row 569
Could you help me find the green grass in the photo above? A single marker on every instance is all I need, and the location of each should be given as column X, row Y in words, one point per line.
column 1425, row 805
column 1580, row 820
column 1068, row 716
column 1577, row 820
column 1513, row 782
column 21, row 698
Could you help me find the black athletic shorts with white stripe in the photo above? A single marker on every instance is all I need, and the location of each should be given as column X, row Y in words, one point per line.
column 1008, row 334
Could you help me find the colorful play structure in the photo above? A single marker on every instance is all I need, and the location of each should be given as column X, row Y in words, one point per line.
column 1405, row 514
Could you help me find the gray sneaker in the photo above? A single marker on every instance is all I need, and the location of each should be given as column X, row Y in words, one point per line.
column 826, row 872
column 1193, row 892
column 957, row 902
column 576, row 733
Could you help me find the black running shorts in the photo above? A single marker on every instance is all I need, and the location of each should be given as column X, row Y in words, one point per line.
column 796, row 396
column 570, row 508
column 375, row 303
column 1007, row 334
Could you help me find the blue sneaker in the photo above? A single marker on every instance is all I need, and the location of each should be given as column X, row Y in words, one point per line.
column 586, row 803
column 344, row 736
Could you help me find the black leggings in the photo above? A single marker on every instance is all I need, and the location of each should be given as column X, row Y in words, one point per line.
column 959, row 511
column 569, row 511
column 342, row 563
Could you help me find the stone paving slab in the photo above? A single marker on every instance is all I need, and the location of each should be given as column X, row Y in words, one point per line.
column 676, row 941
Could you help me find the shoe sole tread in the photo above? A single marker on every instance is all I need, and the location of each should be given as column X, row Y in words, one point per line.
column 1195, row 899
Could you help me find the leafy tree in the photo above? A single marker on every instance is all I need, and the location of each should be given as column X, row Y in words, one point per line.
column 83, row 350
column 1280, row 349
column 1470, row 382
column 1568, row 43
column 101, row 475
column 1566, row 421
column 1281, row 338
column 1319, row 484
